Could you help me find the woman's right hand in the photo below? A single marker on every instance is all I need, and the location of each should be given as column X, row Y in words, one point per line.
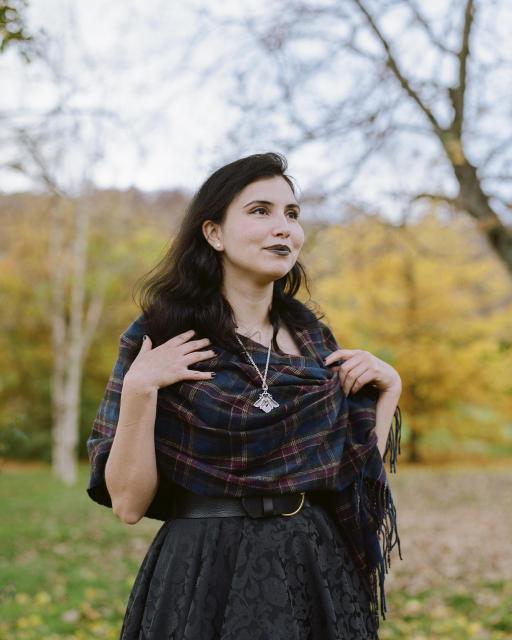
column 168, row 363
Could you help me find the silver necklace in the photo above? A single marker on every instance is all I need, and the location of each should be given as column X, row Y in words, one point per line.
column 265, row 402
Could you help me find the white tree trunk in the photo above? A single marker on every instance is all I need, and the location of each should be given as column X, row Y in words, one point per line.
column 72, row 331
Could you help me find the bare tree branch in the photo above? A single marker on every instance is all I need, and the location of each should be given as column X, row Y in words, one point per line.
column 392, row 64
column 420, row 19
column 457, row 94
column 439, row 197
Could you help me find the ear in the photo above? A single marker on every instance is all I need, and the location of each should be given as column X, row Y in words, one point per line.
column 212, row 234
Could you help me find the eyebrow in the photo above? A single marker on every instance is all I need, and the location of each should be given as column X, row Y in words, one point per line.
column 290, row 204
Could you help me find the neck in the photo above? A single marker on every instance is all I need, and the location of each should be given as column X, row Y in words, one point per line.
column 250, row 304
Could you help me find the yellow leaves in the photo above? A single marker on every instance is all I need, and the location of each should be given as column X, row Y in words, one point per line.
column 22, row 598
column 90, row 593
column 42, row 598
column 474, row 628
column 435, row 301
column 26, row 622
column 129, row 580
column 89, row 612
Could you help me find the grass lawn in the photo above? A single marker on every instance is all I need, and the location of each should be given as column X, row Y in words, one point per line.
column 67, row 564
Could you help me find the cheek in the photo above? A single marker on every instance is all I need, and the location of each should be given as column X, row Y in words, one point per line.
column 249, row 243
column 298, row 237
column 252, row 239
column 247, row 235
column 253, row 235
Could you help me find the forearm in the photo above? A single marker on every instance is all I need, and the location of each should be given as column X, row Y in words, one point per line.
column 386, row 405
column 131, row 472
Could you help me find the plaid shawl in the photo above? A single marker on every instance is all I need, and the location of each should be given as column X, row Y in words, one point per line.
column 210, row 439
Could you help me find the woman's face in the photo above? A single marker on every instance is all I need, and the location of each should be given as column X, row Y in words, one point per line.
column 251, row 225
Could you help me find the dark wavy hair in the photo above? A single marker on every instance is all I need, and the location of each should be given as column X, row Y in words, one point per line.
column 183, row 291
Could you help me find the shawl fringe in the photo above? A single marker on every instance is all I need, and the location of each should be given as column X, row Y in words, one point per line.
column 375, row 504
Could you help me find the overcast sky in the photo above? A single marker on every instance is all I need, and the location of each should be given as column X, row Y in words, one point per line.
column 117, row 54
column 169, row 131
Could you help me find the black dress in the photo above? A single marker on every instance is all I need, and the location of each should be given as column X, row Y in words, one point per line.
column 243, row 578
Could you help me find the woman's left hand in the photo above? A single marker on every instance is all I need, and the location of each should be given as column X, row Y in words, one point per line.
column 361, row 367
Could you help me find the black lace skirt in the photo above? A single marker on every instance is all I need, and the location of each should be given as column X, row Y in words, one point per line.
column 243, row 578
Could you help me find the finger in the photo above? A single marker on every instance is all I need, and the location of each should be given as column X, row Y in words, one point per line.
column 362, row 381
column 197, row 356
column 182, row 337
column 146, row 344
column 333, row 358
column 334, row 362
column 352, row 378
column 339, row 355
column 194, row 345
column 348, row 375
column 191, row 374
column 350, row 365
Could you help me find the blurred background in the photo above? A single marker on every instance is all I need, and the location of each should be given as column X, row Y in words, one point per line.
column 396, row 120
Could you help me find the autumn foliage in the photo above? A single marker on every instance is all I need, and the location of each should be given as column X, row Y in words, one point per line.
column 429, row 297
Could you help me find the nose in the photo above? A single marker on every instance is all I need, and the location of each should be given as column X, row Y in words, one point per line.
column 282, row 226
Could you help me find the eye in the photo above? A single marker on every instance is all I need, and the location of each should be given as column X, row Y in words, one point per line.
column 294, row 213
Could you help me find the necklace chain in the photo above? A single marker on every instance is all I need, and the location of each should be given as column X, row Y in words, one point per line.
column 265, row 402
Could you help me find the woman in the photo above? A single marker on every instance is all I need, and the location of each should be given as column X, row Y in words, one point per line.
column 225, row 418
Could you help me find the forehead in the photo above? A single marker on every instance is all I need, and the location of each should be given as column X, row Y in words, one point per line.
column 275, row 189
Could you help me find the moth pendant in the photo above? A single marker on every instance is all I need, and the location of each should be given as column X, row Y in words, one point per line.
column 265, row 402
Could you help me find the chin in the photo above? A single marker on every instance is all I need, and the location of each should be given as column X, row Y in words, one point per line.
column 277, row 274
column 273, row 271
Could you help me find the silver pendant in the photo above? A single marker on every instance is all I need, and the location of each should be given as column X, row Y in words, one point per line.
column 265, row 402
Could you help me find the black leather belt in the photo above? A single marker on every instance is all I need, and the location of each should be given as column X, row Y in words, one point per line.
column 187, row 504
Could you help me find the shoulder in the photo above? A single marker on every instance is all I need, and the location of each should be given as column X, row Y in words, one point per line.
column 321, row 335
column 130, row 342
column 134, row 333
column 327, row 337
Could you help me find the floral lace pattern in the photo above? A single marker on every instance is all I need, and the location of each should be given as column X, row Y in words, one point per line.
column 243, row 578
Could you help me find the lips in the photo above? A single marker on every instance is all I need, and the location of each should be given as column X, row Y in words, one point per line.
column 279, row 248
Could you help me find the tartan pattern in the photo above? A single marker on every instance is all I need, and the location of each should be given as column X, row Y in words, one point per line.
column 210, row 439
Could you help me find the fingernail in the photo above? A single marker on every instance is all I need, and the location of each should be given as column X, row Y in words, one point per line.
column 212, row 374
column 144, row 338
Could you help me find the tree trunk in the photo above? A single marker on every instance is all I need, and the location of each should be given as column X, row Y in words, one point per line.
column 72, row 333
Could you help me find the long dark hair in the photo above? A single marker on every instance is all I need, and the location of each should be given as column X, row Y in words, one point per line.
column 183, row 291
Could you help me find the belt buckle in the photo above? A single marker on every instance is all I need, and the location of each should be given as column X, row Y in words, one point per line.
column 302, row 493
